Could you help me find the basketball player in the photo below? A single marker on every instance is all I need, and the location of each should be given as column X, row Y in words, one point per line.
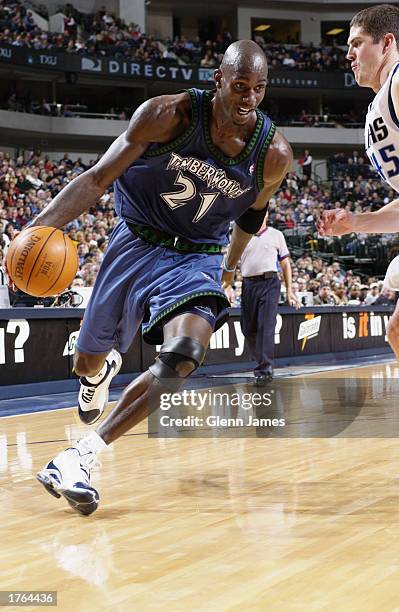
column 187, row 165
column 374, row 56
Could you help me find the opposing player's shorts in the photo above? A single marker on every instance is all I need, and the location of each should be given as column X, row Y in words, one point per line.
column 391, row 280
column 139, row 283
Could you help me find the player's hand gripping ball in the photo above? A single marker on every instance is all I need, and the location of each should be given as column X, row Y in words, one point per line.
column 42, row 261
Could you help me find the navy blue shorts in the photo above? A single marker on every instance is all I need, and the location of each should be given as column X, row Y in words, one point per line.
column 139, row 283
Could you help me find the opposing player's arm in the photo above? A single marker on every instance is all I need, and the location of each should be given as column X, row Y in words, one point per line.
column 277, row 163
column 386, row 220
column 160, row 120
column 339, row 222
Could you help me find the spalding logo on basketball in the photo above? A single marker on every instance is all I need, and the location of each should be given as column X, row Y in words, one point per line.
column 42, row 261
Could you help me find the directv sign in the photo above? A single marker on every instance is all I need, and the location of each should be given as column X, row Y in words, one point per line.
column 91, row 64
column 159, row 71
column 51, row 59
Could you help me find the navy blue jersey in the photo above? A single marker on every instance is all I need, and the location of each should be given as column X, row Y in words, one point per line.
column 189, row 187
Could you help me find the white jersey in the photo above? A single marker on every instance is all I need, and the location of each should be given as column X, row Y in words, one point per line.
column 382, row 132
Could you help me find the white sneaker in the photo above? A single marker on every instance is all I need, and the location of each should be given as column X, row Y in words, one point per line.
column 68, row 474
column 94, row 398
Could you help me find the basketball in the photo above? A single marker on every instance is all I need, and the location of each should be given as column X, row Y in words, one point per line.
column 42, row 261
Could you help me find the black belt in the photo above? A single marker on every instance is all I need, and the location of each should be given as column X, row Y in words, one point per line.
column 177, row 243
column 261, row 276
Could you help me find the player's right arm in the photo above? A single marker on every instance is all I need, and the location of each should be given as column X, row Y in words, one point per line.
column 276, row 165
column 159, row 120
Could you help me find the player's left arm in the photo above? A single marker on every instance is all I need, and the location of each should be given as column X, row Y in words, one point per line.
column 277, row 163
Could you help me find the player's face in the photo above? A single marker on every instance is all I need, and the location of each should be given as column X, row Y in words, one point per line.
column 365, row 57
column 241, row 93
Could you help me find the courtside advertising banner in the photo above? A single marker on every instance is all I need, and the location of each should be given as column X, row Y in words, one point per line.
column 26, row 333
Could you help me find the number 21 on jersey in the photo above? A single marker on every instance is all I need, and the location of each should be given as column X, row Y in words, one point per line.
column 181, row 197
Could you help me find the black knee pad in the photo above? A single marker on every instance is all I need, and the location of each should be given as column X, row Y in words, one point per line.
column 173, row 352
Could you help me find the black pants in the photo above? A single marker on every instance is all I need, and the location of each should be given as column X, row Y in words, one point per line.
column 259, row 304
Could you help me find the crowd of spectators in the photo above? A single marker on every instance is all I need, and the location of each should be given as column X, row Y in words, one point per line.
column 295, row 209
column 352, row 183
column 332, row 285
column 305, row 57
column 316, row 282
column 98, row 34
column 103, row 33
column 301, row 199
column 31, row 180
column 341, row 164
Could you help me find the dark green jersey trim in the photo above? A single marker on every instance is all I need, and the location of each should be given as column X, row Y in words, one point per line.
column 217, row 153
column 261, row 157
column 176, row 243
column 187, row 298
column 178, row 142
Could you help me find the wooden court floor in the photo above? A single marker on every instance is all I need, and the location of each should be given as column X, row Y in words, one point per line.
column 273, row 524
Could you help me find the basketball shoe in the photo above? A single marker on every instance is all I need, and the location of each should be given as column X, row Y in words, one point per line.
column 68, row 474
column 93, row 397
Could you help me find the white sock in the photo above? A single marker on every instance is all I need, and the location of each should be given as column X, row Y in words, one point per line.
column 92, row 442
column 97, row 377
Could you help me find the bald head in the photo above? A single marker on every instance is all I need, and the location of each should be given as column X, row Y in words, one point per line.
column 244, row 56
column 241, row 83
